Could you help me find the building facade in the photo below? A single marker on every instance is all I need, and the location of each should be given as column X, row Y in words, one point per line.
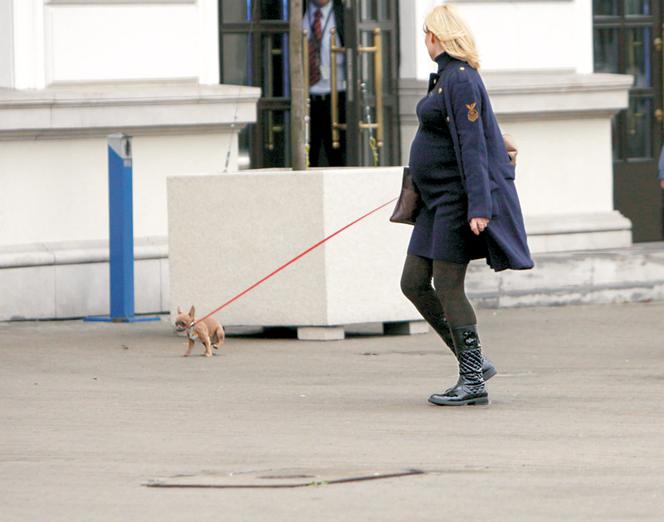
column 578, row 83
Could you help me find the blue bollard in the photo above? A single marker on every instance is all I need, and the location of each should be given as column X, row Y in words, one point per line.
column 121, row 224
column 121, row 232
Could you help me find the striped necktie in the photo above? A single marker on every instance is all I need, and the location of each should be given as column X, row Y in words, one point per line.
column 314, row 49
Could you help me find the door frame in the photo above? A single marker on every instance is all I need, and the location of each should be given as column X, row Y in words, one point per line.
column 354, row 107
column 636, row 190
column 256, row 29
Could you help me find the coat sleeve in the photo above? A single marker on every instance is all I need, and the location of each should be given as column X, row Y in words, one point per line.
column 660, row 167
column 466, row 101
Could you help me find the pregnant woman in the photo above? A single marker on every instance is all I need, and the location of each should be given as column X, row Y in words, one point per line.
column 470, row 206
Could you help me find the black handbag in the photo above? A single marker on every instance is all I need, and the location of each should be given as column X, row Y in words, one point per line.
column 409, row 203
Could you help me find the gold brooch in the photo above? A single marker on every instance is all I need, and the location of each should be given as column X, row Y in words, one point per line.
column 473, row 115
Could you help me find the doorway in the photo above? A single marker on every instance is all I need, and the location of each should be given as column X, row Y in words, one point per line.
column 253, row 40
column 628, row 40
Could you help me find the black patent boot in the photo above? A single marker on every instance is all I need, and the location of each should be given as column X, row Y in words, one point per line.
column 488, row 369
column 428, row 304
column 471, row 389
column 444, row 330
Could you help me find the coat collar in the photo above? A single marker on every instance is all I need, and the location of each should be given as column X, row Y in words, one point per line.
column 443, row 60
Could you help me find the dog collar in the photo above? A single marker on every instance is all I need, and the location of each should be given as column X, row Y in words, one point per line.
column 189, row 336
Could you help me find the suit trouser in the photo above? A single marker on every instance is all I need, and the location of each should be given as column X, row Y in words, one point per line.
column 321, row 130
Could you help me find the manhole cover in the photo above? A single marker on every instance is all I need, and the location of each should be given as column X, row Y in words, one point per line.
column 281, row 478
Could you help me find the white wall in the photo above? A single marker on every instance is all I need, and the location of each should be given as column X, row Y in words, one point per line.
column 58, row 41
column 512, row 35
column 564, row 166
column 57, row 190
column 29, row 44
column 6, row 44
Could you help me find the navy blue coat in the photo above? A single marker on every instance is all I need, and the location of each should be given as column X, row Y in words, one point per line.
column 488, row 175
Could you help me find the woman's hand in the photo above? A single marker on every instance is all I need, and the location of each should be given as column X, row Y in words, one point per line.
column 661, row 183
column 478, row 225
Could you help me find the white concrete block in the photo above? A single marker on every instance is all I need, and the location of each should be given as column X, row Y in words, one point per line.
column 363, row 265
column 251, row 224
column 266, row 219
column 321, row 333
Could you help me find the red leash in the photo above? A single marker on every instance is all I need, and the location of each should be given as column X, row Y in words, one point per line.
column 293, row 261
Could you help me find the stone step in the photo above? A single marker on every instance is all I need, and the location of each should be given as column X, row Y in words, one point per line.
column 633, row 274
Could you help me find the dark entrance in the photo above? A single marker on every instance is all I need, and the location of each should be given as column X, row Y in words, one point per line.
column 253, row 36
column 372, row 69
column 628, row 40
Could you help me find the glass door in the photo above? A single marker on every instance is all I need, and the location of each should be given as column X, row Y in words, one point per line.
column 372, row 51
column 253, row 40
column 628, row 40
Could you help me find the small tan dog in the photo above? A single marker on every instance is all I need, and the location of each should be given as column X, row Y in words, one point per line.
column 209, row 331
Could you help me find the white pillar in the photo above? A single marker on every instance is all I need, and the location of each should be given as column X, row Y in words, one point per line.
column 415, row 62
column 208, row 15
column 6, row 43
column 29, row 47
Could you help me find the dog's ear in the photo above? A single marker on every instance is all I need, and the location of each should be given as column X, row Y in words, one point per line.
column 192, row 311
column 179, row 310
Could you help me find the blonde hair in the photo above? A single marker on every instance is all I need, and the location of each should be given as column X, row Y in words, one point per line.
column 453, row 33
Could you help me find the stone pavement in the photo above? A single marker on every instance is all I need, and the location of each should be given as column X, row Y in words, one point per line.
column 92, row 412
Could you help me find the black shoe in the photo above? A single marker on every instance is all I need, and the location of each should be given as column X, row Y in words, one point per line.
column 471, row 389
column 459, row 397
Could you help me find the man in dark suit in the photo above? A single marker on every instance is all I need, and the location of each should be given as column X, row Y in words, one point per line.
column 320, row 17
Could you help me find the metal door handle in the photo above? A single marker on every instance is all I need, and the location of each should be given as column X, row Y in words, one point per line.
column 269, row 89
column 305, row 62
column 272, row 129
column 636, row 116
column 377, row 51
column 336, row 126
